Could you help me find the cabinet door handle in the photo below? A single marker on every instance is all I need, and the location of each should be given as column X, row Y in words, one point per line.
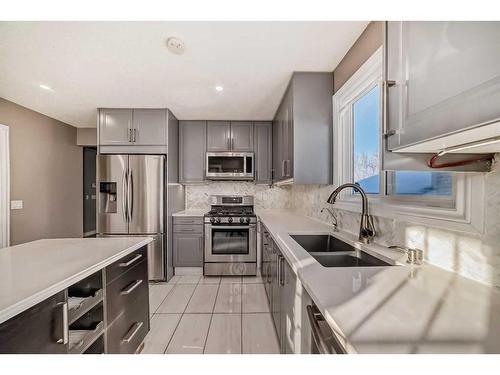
column 282, row 276
column 131, row 287
column 283, row 168
column 385, row 122
column 129, row 135
column 133, row 260
column 65, row 324
column 132, row 332
column 134, row 137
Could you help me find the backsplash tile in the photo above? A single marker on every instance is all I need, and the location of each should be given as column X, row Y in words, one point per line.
column 264, row 196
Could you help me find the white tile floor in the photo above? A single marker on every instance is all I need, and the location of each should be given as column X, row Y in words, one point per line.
column 211, row 315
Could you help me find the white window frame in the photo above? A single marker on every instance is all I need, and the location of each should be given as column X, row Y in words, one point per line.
column 4, row 187
column 466, row 215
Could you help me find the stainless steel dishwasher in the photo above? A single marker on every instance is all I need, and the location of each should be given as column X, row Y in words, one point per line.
column 323, row 340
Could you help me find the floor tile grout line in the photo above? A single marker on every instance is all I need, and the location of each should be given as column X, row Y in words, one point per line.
column 211, row 317
column 182, row 315
column 166, row 295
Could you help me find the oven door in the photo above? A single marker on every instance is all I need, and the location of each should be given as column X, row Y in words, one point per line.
column 229, row 166
column 230, row 243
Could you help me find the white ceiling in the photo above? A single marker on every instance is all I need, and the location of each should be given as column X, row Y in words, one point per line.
column 127, row 64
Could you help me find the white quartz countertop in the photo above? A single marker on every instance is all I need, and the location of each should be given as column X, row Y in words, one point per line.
column 34, row 271
column 198, row 213
column 399, row 309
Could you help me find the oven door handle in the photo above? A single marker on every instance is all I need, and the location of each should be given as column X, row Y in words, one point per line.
column 251, row 226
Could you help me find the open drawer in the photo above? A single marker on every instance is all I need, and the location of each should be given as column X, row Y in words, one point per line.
column 84, row 296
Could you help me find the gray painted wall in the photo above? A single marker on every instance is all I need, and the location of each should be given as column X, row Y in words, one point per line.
column 46, row 173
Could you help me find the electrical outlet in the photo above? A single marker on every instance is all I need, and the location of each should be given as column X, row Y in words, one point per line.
column 16, row 205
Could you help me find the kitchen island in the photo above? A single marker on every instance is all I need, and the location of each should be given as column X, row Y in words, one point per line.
column 391, row 309
column 73, row 293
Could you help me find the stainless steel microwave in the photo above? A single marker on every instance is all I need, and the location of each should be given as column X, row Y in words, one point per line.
column 230, row 166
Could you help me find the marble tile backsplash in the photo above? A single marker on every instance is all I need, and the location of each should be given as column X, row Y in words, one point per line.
column 264, row 195
column 473, row 256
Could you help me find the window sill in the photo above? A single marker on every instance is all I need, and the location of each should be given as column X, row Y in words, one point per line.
column 467, row 216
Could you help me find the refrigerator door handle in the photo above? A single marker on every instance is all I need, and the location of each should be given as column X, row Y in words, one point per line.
column 130, row 192
column 125, row 195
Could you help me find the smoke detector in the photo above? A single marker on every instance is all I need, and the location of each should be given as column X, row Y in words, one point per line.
column 175, row 45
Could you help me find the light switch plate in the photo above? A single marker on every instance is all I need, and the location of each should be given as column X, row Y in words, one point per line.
column 16, row 205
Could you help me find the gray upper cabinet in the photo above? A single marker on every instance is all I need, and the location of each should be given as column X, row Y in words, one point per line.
column 263, row 152
column 150, row 127
column 218, row 136
column 134, row 131
column 302, row 130
column 445, row 78
column 192, row 144
column 115, row 126
column 242, row 136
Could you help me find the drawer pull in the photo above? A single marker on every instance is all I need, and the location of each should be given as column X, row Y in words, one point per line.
column 132, row 332
column 133, row 260
column 131, row 288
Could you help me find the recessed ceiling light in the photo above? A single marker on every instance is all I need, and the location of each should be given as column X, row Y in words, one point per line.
column 175, row 45
column 219, row 88
column 46, row 88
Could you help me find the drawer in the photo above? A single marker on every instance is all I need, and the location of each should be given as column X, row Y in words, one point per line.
column 124, row 291
column 127, row 332
column 188, row 228
column 188, row 220
column 124, row 264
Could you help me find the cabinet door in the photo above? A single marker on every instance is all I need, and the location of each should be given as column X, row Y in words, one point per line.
column 115, row 126
column 188, row 250
column 150, row 127
column 192, row 143
column 289, row 327
column 242, row 136
column 218, row 136
column 447, row 78
column 36, row 330
column 287, row 135
column 278, row 166
column 263, row 152
column 276, row 292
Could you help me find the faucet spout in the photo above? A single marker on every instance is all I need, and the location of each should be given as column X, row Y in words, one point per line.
column 366, row 227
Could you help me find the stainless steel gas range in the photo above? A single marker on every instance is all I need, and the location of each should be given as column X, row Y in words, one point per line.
column 230, row 236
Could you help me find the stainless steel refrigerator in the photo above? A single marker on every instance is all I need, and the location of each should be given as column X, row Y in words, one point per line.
column 132, row 201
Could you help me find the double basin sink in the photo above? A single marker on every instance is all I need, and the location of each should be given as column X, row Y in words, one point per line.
column 332, row 252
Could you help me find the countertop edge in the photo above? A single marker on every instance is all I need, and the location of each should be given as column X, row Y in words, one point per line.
column 29, row 302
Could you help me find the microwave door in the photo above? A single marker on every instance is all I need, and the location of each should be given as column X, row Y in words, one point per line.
column 112, row 194
column 146, row 193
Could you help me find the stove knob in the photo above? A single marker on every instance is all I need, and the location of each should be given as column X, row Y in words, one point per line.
column 229, row 220
column 242, row 220
column 248, row 220
column 218, row 220
column 212, row 220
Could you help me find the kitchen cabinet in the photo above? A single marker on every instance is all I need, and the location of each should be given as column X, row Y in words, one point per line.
column 135, row 130
column 242, row 137
column 234, row 136
column 443, row 77
column 188, row 242
column 263, row 152
column 302, row 141
column 192, row 148
column 289, row 329
column 115, row 126
column 127, row 303
column 150, row 127
column 218, row 136
column 38, row 330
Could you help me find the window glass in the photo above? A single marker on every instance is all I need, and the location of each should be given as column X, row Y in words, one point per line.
column 423, row 183
column 366, row 120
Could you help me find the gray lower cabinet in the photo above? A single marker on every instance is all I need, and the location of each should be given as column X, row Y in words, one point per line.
column 242, row 137
column 289, row 329
column 263, row 152
column 188, row 241
column 38, row 330
column 192, row 146
column 218, row 136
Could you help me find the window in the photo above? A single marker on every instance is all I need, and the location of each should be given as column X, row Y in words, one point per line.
column 358, row 158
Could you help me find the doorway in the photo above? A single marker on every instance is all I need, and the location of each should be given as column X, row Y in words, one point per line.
column 89, row 191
